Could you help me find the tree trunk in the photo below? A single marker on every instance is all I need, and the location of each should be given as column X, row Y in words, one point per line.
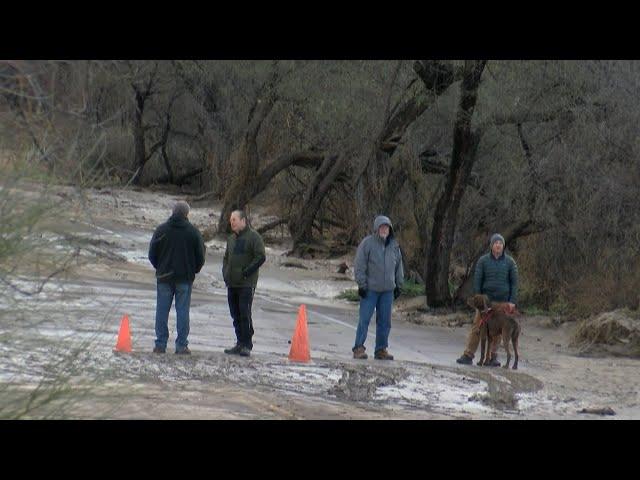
column 165, row 139
column 300, row 225
column 17, row 92
column 271, row 225
column 240, row 194
column 465, row 145
column 380, row 181
column 526, row 227
column 140, row 149
column 245, row 185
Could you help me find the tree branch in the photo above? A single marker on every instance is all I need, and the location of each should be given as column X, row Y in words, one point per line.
column 271, row 225
column 307, row 159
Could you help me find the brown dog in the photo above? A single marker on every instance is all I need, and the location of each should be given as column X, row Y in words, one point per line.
column 495, row 323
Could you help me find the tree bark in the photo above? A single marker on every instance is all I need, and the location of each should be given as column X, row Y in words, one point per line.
column 526, row 227
column 300, row 225
column 244, row 186
column 142, row 92
column 307, row 159
column 380, row 181
column 240, row 194
column 140, row 150
column 465, row 145
column 271, row 225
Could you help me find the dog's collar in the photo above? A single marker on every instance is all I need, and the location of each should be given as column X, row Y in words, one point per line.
column 485, row 315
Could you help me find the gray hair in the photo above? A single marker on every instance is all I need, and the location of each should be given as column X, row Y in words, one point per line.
column 241, row 214
column 181, row 209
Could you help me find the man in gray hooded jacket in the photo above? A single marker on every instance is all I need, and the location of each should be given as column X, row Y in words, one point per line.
column 379, row 274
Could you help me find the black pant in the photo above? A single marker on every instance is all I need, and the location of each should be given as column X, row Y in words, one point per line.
column 240, row 300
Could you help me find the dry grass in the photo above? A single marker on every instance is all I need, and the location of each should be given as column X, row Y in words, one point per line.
column 616, row 332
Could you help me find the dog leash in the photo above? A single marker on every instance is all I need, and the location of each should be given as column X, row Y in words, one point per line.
column 485, row 318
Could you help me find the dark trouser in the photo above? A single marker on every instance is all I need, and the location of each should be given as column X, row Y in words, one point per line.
column 240, row 300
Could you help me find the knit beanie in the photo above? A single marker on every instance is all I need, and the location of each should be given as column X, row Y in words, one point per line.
column 495, row 238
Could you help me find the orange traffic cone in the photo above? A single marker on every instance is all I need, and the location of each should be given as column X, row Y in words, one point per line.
column 124, row 336
column 300, row 342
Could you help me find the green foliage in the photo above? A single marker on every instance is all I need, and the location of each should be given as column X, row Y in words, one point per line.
column 560, row 307
column 412, row 289
column 534, row 310
column 350, row 295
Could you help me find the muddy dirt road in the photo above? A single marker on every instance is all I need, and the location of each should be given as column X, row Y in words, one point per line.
column 66, row 334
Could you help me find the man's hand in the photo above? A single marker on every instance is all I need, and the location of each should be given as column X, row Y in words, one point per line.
column 362, row 292
column 396, row 293
column 511, row 307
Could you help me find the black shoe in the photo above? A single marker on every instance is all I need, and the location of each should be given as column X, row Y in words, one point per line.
column 244, row 351
column 159, row 350
column 233, row 350
column 465, row 360
column 183, row 351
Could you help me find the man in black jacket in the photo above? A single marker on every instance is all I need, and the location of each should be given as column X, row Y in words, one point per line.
column 242, row 259
column 177, row 253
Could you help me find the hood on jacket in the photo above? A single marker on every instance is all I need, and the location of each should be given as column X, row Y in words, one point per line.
column 382, row 220
column 178, row 221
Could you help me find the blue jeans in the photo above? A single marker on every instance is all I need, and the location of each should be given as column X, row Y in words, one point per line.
column 381, row 302
column 166, row 292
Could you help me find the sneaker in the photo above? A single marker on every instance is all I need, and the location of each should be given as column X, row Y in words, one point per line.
column 183, row 351
column 382, row 354
column 244, row 351
column 465, row 359
column 358, row 353
column 159, row 350
column 235, row 350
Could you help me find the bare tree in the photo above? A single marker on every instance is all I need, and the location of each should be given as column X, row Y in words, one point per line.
column 249, row 180
column 465, row 144
column 322, row 182
column 380, row 179
column 144, row 87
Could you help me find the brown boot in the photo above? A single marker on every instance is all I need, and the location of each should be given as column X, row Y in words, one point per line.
column 382, row 354
column 358, row 353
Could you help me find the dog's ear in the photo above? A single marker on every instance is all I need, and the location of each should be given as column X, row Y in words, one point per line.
column 485, row 302
column 471, row 301
column 477, row 302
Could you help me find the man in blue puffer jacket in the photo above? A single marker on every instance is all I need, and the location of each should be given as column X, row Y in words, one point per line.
column 379, row 274
column 496, row 276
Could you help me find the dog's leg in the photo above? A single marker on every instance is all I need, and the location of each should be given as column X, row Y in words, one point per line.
column 514, row 339
column 483, row 343
column 490, row 348
column 505, row 340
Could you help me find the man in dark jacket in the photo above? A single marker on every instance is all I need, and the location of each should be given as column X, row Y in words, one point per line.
column 379, row 274
column 242, row 259
column 177, row 253
column 496, row 276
